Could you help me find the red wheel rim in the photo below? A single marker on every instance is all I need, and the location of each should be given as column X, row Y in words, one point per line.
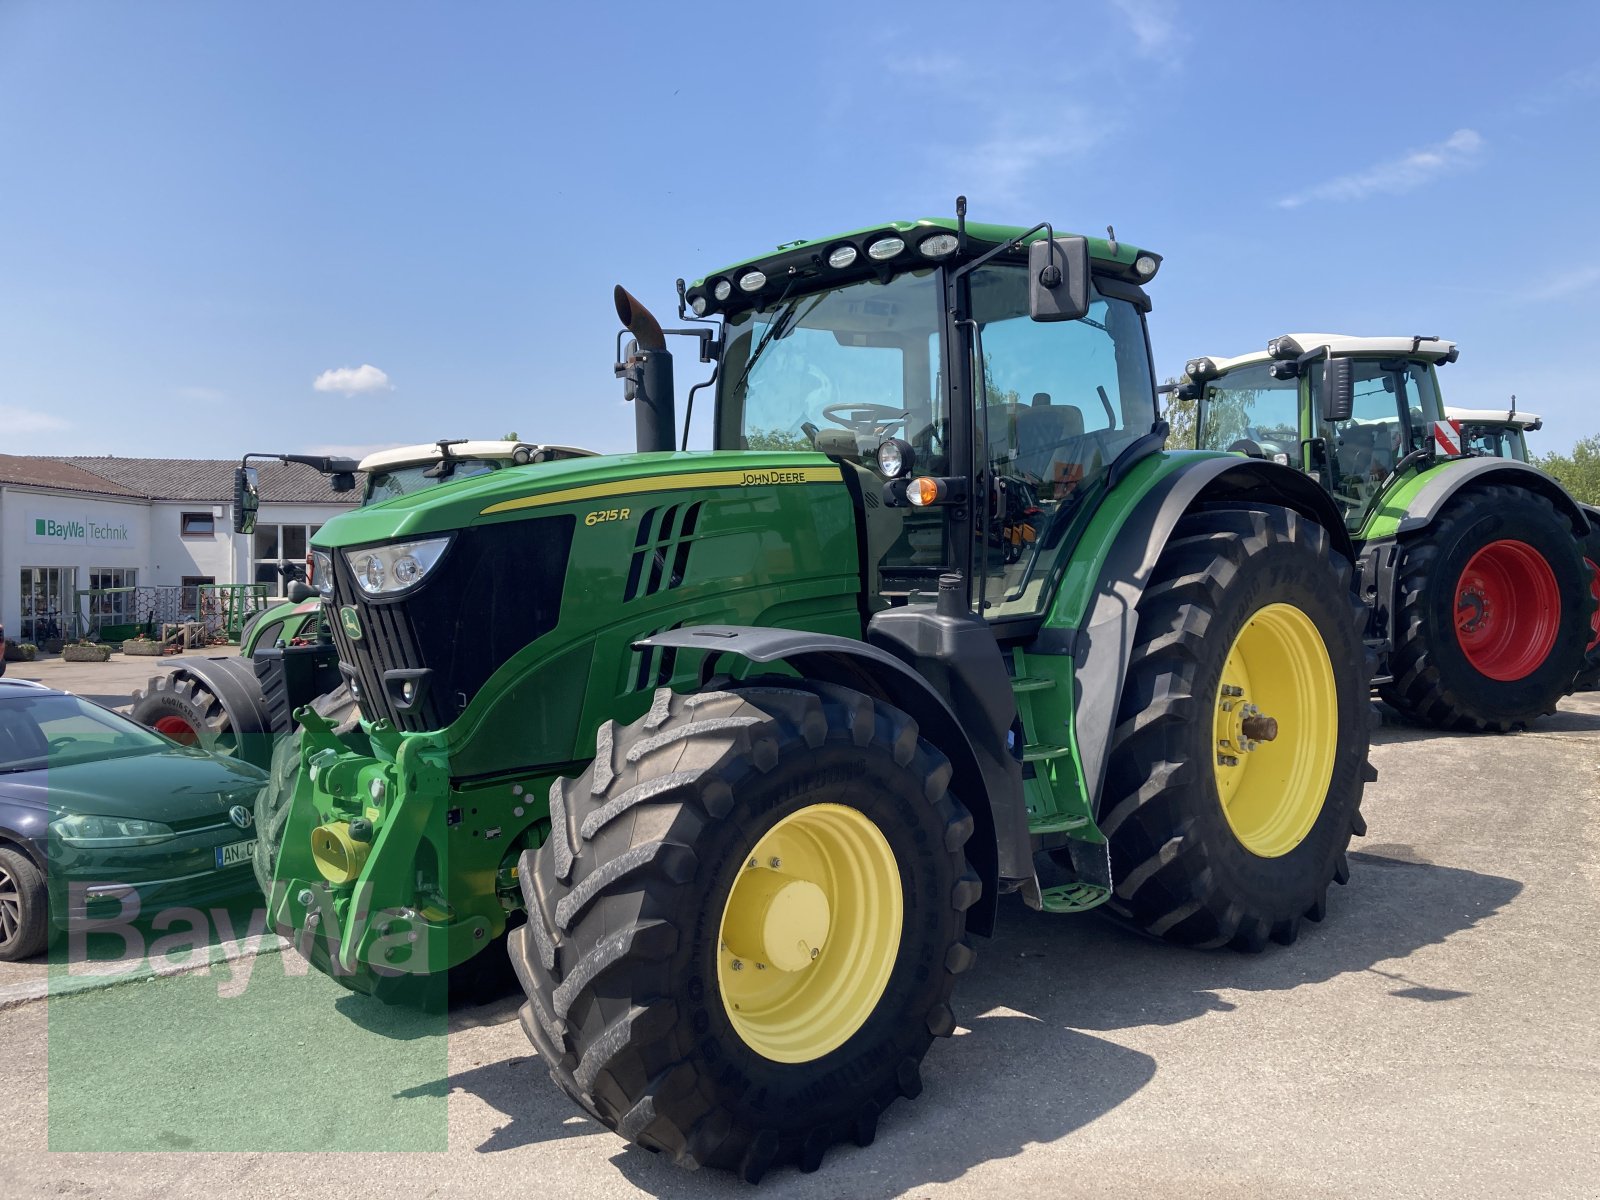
column 178, row 730
column 1594, row 592
column 1508, row 610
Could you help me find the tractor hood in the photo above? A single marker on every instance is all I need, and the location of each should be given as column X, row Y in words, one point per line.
column 591, row 483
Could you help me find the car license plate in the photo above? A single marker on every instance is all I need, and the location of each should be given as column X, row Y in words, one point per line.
column 235, row 853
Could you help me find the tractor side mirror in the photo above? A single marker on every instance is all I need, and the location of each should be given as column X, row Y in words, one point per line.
column 1058, row 279
column 301, row 591
column 246, row 499
column 1338, row 389
column 343, row 481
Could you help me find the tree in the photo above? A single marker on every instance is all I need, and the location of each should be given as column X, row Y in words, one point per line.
column 1180, row 419
column 1578, row 472
column 776, row 439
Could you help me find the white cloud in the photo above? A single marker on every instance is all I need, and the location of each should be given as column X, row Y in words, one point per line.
column 23, row 420
column 1155, row 32
column 1458, row 152
column 1559, row 287
column 353, row 381
column 1561, row 90
column 1000, row 165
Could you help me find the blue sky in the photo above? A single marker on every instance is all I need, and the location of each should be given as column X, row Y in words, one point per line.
column 205, row 208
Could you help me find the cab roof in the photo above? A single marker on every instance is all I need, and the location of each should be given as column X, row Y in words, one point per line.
column 810, row 257
column 1341, row 344
column 1494, row 416
column 408, row 456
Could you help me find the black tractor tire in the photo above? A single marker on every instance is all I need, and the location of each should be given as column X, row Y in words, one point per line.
column 1180, row 872
column 24, row 907
column 180, row 705
column 1432, row 679
column 1589, row 673
column 620, row 954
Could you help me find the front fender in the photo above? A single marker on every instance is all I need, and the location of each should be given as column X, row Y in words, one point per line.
column 869, row 669
column 1442, row 484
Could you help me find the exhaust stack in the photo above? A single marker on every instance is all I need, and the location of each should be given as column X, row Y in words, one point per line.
column 647, row 376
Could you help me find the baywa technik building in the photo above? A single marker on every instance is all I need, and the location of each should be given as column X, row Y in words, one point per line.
column 153, row 530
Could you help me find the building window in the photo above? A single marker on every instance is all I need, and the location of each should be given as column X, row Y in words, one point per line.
column 198, row 524
column 189, row 599
column 111, row 607
column 278, row 554
column 46, row 602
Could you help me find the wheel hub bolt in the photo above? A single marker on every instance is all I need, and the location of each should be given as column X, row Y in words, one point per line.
column 1229, row 689
column 737, row 965
column 1258, row 728
column 774, row 862
column 1227, row 760
column 305, row 898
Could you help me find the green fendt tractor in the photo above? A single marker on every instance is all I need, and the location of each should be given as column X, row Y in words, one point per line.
column 757, row 737
column 239, row 704
column 1481, row 602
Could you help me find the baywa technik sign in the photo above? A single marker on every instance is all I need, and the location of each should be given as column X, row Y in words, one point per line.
column 61, row 529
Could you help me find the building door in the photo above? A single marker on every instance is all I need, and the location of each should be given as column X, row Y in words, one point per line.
column 46, row 602
column 189, row 598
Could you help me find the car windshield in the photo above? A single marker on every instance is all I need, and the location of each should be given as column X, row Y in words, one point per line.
column 402, row 481
column 53, row 729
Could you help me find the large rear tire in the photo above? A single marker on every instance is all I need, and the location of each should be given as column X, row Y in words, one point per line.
column 179, row 705
column 1493, row 611
column 1589, row 673
column 746, row 923
column 1235, row 776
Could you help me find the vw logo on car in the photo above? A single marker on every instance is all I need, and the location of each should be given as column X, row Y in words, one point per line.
column 241, row 816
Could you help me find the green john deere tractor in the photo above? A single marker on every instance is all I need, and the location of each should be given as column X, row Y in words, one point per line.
column 755, row 738
column 1482, row 601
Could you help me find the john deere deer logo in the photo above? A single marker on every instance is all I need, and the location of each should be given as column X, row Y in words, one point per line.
column 351, row 620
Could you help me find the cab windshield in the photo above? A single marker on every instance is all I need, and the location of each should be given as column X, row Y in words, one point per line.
column 1248, row 411
column 402, row 481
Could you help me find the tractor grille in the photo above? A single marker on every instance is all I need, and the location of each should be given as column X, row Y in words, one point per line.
column 661, row 549
column 497, row 589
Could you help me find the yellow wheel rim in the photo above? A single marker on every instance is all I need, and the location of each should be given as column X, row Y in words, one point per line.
column 809, row 933
column 1276, row 730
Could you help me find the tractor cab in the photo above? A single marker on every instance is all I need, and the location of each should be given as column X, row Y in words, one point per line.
column 1356, row 436
column 1494, row 432
column 972, row 432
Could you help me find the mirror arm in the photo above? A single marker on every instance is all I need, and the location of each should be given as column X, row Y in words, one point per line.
column 1015, row 243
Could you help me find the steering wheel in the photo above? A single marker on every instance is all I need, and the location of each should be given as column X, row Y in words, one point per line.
column 56, row 743
column 862, row 417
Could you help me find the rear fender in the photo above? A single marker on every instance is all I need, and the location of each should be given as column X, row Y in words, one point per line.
column 878, row 673
column 1442, row 485
column 1102, row 644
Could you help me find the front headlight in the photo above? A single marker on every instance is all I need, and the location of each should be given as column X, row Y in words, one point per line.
column 322, row 572
column 83, row 830
column 395, row 568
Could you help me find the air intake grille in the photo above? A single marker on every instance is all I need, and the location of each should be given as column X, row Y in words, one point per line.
column 497, row 589
column 661, row 549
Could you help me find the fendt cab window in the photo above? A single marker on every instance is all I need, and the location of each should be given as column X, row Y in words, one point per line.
column 837, row 372
column 1249, row 411
column 1057, row 403
column 1395, row 405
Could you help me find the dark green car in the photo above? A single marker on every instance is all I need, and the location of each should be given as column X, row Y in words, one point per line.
column 103, row 820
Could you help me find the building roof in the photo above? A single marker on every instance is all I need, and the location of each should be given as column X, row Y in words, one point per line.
column 205, row 480
column 27, row 471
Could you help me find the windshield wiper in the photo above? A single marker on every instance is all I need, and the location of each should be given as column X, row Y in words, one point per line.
column 780, row 327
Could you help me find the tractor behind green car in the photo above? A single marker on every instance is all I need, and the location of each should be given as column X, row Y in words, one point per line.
column 736, row 749
column 1479, row 571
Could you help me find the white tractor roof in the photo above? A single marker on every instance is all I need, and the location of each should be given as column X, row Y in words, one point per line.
column 1431, row 349
column 407, row 456
column 1494, row 416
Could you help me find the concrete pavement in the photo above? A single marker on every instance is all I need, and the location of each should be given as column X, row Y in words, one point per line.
column 1435, row 1036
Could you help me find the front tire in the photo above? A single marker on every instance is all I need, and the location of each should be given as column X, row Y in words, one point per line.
column 1493, row 611
column 1237, row 766
column 24, row 908
column 793, row 822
